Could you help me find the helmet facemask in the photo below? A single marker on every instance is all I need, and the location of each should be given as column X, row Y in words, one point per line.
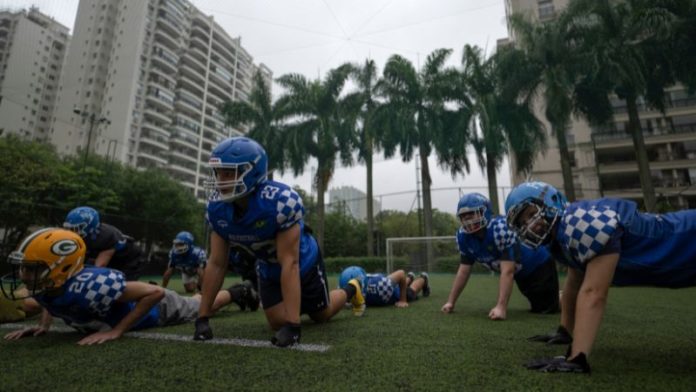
column 227, row 182
column 538, row 225
column 180, row 247
column 472, row 219
column 31, row 275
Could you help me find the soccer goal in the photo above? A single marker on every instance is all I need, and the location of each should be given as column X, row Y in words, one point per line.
column 411, row 254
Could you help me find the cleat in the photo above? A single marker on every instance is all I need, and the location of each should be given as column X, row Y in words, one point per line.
column 238, row 299
column 10, row 310
column 410, row 277
column 426, row 285
column 251, row 297
column 358, row 300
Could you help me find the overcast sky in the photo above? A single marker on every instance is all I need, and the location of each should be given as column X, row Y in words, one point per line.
column 313, row 36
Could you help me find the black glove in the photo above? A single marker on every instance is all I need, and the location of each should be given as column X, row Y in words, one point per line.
column 203, row 331
column 560, row 364
column 561, row 336
column 287, row 335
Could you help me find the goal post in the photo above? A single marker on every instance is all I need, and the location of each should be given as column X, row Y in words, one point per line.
column 411, row 253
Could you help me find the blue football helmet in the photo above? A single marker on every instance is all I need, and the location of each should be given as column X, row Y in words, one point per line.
column 238, row 164
column 83, row 221
column 183, row 243
column 353, row 272
column 548, row 204
column 482, row 212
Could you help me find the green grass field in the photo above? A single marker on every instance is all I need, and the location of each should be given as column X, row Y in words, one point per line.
column 647, row 342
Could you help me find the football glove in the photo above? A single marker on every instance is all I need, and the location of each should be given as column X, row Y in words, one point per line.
column 203, row 331
column 560, row 364
column 561, row 336
column 287, row 335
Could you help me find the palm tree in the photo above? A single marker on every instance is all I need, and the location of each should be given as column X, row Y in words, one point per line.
column 368, row 137
column 319, row 123
column 502, row 115
column 556, row 65
column 416, row 116
column 632, row 43
column 262, row 116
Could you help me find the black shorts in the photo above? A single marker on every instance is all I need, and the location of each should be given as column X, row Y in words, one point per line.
column 541, row 288
column 314, row 287
column 411, row 295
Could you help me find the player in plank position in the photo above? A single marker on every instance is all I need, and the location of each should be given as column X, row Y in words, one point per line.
column 94, row 300
column 264, row 218
column 397, row 288
column 486, row 239
column 604, row 241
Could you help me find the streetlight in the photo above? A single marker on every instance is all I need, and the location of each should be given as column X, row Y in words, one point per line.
column 93, row 119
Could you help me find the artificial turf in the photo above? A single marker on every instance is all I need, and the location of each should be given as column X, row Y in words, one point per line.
column 646, row 342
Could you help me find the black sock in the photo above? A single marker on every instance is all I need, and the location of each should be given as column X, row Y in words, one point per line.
column 237, row 292
column 350, row 291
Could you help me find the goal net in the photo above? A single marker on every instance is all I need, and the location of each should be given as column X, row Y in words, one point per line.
column 430, row 254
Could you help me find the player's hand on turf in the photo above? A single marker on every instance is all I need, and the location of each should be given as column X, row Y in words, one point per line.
column 99, row 338
column 287, row 335
column 497, row 313
column 561, row 336
column 448, row 307
column 401, row 304
column 31, row 331
column 560, row 364
column 203, row 331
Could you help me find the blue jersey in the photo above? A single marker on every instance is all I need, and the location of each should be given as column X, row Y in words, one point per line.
column 273, row 207
column 188, row 262
column 657, row 250
column 500, row 243
column 88, row 301
column 379, row 290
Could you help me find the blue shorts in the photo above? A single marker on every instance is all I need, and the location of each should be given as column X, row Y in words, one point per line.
column 314, row 287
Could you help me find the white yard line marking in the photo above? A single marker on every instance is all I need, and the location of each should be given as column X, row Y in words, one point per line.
column 320, row 348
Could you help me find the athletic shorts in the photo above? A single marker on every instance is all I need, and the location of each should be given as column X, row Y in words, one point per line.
column 189, row 278
column 176, row 309
column 541, row 288
column 314, row 287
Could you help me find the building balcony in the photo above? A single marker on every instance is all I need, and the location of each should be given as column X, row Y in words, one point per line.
column 191, row 119
column 197, row 75
column 166, row 40
column 191, row 57
column 190, row 86
column 199, row 43
column 656, row 135
column 157, row 160
column 182, row 169
column 158, row 115
column 159, row 102
column 165, row 65
column 170, row 25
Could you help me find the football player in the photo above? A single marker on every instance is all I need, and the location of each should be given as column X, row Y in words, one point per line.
column 188, row 259
column 486, row 239
column 602, row 241
column 398, row 288
column 94, row 300
column 106, row 245
column 264, row 218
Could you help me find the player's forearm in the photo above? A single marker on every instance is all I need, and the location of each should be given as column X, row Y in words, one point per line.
column 458, row 285
column 46, row 320
column 588, row 316
column 569, row 298
column 214, row 276
column 290, row 287
column 141, row 308
column 165, row 278
column 505, row 288
column 104, row 258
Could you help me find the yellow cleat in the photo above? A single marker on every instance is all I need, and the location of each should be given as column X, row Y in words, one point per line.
column 358, row 300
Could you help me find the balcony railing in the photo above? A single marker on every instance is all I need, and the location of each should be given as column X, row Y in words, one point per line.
column 613, row 136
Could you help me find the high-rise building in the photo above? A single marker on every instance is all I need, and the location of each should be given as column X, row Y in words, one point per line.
column 603, row 160
column 144, row 84
column 352, row 201
column 32, row 50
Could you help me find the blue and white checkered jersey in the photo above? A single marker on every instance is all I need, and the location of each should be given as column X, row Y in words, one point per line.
column 188, row 262
column 89, row 301
column 500, row 243
column 273, row 207
column 379, row 290
column 655, row 249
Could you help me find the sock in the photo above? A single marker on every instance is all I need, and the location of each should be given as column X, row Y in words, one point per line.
column 350, row 291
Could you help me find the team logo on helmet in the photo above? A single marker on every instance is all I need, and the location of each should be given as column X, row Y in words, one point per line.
column 64, row 247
